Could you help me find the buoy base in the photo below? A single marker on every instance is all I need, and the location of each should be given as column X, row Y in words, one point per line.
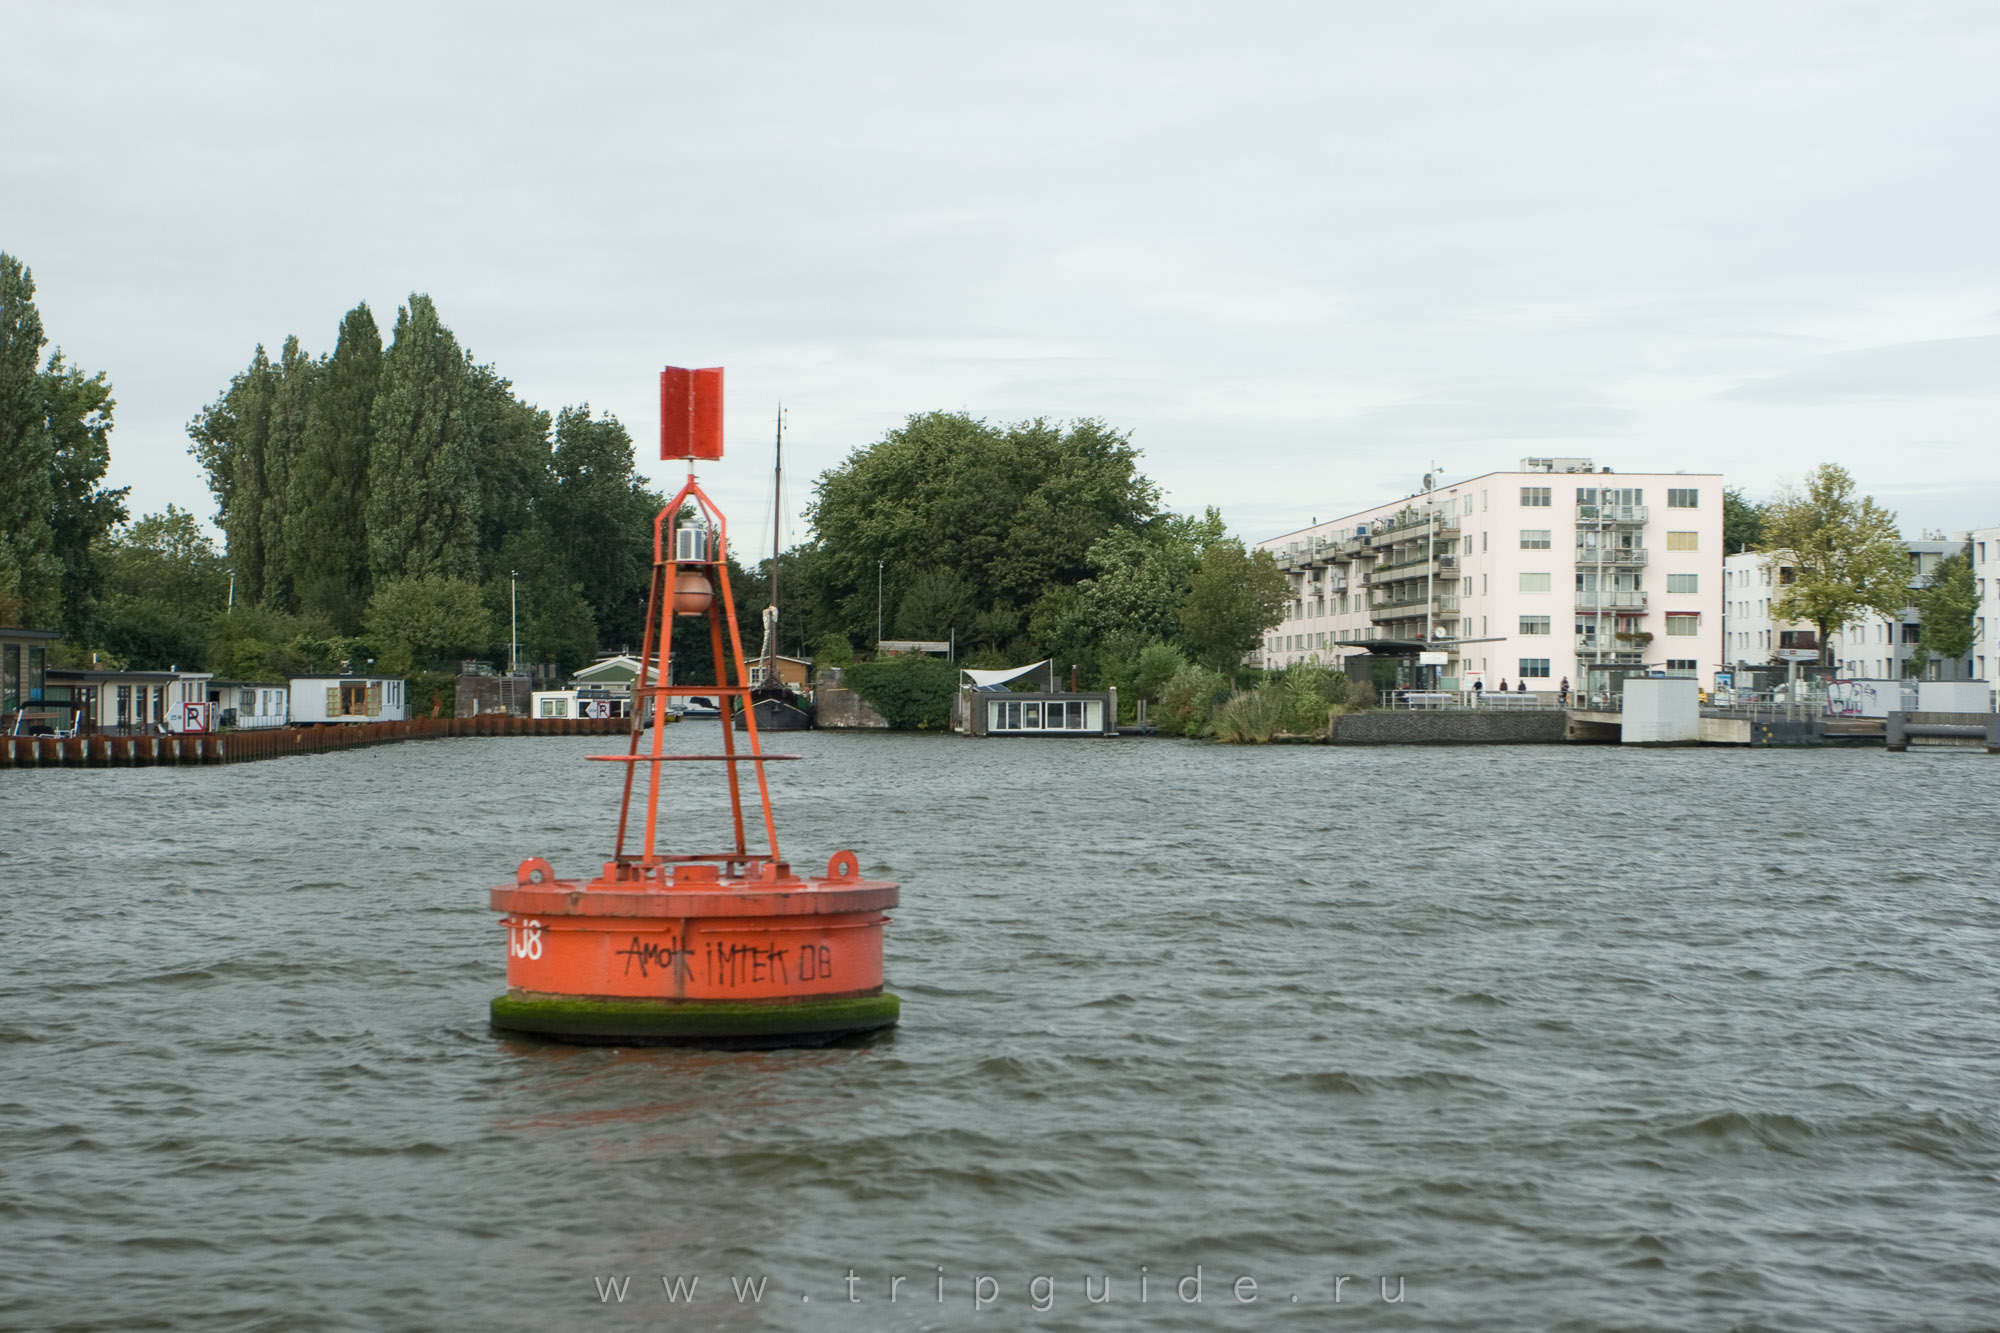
column 718, row 1024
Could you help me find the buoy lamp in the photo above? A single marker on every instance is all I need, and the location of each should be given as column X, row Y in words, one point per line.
column 707, row 948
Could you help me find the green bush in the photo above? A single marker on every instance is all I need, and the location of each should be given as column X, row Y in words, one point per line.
column 912, row 691
column 1251, row 716
column 1187, row 700
column 424, row 690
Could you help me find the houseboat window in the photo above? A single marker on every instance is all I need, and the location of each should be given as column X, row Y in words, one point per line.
column 10, row 678
column 1032, row 716
column 1076, row 715
column 353, row 698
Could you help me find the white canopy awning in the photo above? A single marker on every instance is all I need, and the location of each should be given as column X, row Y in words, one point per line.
column 987, row 680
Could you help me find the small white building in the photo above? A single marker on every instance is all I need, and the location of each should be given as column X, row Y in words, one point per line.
column 320, row 700
column 250, row 705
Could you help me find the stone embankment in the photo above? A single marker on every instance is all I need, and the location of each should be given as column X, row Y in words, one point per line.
column 235, row 747
column 1538, row 726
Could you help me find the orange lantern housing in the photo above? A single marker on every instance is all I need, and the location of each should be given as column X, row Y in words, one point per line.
column 714, row 948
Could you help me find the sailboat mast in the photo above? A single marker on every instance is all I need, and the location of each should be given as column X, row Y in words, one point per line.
column 777, row 502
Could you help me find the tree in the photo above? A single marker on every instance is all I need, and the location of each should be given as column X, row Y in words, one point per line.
column 55, row 428
column 1947, row 602
column 1236, row 595
column 510, row 449
column 292, row 388
column 1012, row 511
column 30, row 571
column 164, row 584
column 327, row 540
column 229, row 439
column 1845, row 552
column 1158, row 664
column 598, row 518
column 422, row 512
column 1742, row 522
column 429, row 617
column 935, row 604
column 77, row 410
column 1143, row 579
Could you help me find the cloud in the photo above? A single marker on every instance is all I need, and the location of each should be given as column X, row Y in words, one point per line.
column 1895, row 370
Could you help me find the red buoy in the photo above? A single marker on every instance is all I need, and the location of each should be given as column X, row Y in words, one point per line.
column 718, row 948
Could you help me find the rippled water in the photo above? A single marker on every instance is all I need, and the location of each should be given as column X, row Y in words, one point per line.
column 1561, row 1038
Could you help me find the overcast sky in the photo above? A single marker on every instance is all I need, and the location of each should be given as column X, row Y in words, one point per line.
column 1299, row 251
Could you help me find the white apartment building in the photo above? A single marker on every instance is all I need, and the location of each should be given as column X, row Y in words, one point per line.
column 1532, row 575
column 1986, row 621
column 1869, row 649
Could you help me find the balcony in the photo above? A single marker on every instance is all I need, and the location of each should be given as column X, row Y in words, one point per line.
column 1614, row 557
column 1597, row 515
column 1610, row 650
column 1414, row 608
column 1601, row 603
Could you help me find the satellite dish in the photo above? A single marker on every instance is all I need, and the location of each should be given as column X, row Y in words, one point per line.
column 1428, row 484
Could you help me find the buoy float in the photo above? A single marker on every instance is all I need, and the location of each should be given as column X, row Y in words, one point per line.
column 719, row 948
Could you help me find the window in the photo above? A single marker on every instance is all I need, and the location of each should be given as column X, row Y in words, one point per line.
column 1683, row 583
column 1787, row 576
column 1683, row 541
column 1911, row 633
column 1534, row 668
column 1683, row 499
column 1534, row 624
column 1535, row 539
column 1468, row 504
column 1535, row 497
column 1683, row 624
column 1680, row 664
column 1534, row 583
column 1467, row 589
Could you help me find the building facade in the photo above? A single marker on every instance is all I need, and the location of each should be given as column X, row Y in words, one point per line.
column 1985, row 543
column 1535, row 575
column 1872, row 648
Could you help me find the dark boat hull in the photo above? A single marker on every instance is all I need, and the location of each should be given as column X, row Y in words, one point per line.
column 777, row 712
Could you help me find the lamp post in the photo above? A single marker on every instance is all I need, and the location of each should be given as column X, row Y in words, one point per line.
column 513, row 621
column 878, row 606
column 231, row 610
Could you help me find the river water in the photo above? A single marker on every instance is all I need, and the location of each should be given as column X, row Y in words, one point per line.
column 1548, row 1038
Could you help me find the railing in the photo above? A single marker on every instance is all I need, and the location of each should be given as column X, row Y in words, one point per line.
column 1586, row 643
column 1600, row 602
column 1611, row 513
column 1408, row 609
column 1624, row 557
column 1460, row 700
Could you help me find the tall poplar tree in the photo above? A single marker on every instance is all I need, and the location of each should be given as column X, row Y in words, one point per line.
column 55, row 427
column 511, row 445
column 230, row 439
column 284, row 442
column 327, row 538
column 77, row 409
column 30, row 571
column 423, row 490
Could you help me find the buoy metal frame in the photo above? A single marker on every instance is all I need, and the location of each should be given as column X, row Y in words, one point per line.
column 712, row 948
